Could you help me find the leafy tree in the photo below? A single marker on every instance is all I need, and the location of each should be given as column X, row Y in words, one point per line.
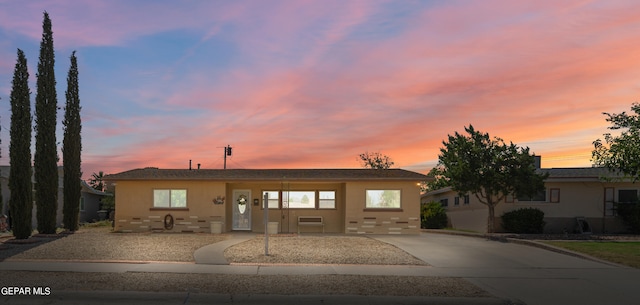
column 71, row 148
column 433, row 216
column 375, row 160
column 437, row 182
column 46, row 155
column 108, row 203
column 488, row 168
column 97, row 181
column 21, row 197
column 621, row 153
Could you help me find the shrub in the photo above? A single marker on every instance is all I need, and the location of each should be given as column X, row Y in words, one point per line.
column 524, row 221
column 433, row 216
column 630, row 214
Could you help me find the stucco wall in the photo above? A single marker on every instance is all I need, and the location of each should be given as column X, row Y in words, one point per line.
column 360, row 220
column 576, row 199
column 135, row 211
column 288, row 218
column 469, row 219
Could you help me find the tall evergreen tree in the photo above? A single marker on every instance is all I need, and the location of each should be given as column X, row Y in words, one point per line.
column 71, row 148
column 46, row 155
column 1, row 199
column 21, row 198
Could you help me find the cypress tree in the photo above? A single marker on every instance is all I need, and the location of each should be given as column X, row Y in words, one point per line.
column 46, row 155
column 71, row 148
column 21, row 198
column 1, row 198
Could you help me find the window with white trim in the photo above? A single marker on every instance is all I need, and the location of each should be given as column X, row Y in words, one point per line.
column 326, row 199
column 301, row 199
column 274, row 199
column 169, row 198
column 383, row 199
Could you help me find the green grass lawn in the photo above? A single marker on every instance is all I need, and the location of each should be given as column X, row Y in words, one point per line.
column 625, row 253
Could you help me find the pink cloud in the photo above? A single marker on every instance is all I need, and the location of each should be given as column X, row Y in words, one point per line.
column 105, row 23
column 309, row 96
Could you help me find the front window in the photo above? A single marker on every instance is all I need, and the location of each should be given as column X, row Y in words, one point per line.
column 385, row 199
column 444, row 202
column 327, row 199
column 169, row 198
column 299, row 200
column 274, row 199
column 539, row 196
column 626, row 196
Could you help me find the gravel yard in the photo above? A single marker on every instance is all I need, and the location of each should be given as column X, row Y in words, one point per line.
column 320, row 250
column 91, row 244
column 99, row 244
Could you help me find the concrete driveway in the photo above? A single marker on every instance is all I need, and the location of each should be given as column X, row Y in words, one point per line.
column 523, row 273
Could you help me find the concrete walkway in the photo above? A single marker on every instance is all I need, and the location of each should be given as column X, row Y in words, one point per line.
column 214, row 254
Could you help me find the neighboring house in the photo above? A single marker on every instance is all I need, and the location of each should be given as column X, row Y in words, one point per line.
column 346, row 200
column 570, row 194
column 89, row 199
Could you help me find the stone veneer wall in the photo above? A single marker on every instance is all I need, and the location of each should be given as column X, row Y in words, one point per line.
column 181, row 223
column 383, row 225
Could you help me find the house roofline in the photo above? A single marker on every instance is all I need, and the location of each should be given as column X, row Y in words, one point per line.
column 268, row 175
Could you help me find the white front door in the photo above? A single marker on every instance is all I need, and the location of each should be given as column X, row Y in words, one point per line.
column 241, row 206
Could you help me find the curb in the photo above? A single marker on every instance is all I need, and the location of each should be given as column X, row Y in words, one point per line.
column 552, row 248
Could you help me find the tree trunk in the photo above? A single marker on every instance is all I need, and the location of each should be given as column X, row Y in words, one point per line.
column 490, row 219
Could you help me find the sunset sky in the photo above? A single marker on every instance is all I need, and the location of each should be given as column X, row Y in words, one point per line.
column 312, row 84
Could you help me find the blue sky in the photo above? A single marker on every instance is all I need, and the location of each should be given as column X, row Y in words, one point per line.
column 312, row 84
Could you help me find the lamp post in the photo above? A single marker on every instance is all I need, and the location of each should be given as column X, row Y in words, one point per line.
column 266, row 223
